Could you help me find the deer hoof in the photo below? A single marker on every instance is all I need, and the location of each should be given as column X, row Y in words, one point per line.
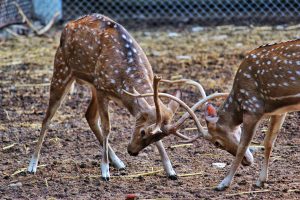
column 222, row 186
column 32, row 166
column 105, row 178
column 259, row 184
column 122, row 169
column 173, row 177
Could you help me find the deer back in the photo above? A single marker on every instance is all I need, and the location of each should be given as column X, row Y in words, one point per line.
column 268, row 79
column 102, row 53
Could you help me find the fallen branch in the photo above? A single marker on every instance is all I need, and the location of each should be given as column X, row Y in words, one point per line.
column 13, row 33
column 181, row 145
column 24, row 169
column 33, row 85
column 41, row 31
column 248, row 192
column 9, row 146
column 192, row 174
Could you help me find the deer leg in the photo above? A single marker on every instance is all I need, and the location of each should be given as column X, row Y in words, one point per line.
column 93, row 119
column 105, row 126
column 274, row 127
column 250, row 122
column 166, row 161
column 57, row 94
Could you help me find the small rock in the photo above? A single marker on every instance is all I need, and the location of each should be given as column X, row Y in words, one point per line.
column 18, row 184
column 219, row 165
column 197, row 29
column 173, row 34
column 239, row 44
column 182, row 57
column 219, row 37
column 155, row 53
column 147, row 34
column 280, row 27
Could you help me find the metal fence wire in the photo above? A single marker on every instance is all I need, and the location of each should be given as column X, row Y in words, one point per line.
column 206, row 12
column 9, row 13
column 203, row 11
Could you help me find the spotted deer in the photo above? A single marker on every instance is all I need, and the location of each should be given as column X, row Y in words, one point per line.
column 266, row 85
column 98, row 52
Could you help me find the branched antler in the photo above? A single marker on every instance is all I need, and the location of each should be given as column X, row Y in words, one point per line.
column 157, row 105
column 187, row 81
column 186, row 107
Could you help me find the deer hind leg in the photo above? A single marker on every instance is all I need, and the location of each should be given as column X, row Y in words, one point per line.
column 93, row 119
column 166, row 161
column 58, row 91
column 250, row 122
column 274, row 127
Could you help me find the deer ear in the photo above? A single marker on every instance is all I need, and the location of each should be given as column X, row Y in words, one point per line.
column 173, row 105
column 211, row 114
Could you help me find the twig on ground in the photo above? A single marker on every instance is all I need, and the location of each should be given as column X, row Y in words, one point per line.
column 247, row 192
column 181, row 145
column 33, row 85
column 192, row 174
column 43, row 30
column 24, row 169
column 7, row 116
column 9, row 146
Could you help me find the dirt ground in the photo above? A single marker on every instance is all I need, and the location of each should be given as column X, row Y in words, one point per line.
column 70, row 157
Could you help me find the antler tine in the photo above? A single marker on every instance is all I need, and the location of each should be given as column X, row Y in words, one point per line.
column 157, row 105
column 201, row 130
column 197, row 105
column 187, row 81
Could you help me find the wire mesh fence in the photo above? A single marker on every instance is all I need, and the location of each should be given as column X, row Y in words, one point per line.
column 206, row 12
column 202, row 11
column 9, row 13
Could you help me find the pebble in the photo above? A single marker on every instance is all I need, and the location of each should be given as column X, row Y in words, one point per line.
column 184, row 57
column 18, row 184
column 173, row 34
column 219, row 165
column 197, row 29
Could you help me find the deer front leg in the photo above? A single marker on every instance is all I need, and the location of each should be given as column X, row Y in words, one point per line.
column 57, row 94
column 93, row 119
column 105, row 125
column 166, row 161
column 250, row 122
column 274, row 127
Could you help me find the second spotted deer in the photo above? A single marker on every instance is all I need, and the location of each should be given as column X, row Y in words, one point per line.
column 98, row 52
column 267, row 85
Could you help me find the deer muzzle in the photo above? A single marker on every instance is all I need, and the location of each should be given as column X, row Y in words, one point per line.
column 134, row 148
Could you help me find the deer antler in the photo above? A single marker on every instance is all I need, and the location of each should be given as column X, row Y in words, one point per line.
column 186, row 107
column 157, row 105
column 194, row 108
column 187, row 81
column 197, row 105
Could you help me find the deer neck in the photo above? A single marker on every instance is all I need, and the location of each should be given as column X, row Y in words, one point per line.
column 229, row 113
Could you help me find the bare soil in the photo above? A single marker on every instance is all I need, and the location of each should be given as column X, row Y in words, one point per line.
column 71, row 155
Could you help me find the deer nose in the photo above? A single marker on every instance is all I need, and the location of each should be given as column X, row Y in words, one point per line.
column 132, row 153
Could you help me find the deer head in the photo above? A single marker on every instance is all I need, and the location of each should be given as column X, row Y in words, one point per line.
column 154, row 122
column 224, row 135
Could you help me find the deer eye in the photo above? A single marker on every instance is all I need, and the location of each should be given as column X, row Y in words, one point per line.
column 143, row 133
